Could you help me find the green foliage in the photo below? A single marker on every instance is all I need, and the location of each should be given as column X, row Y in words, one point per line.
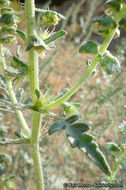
column 112, row 146
column 21, row 34
column 89, row 47
column 84, row 141
column 104, row 21
column 9, row 19
column 50, row 18
column 110, row 65
column 55, row 36
column 5, row 2
column 37, row 44
column 19, row 94
column 114, row 5
column 2, row 170
column 123, row 23
column 39, row 39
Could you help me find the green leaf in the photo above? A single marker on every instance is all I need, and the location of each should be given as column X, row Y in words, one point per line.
column 55, row 36
column 77, row 105
column 6, row 109
column 105, row 20
column 9, row 19
column 112, row 146
column 37, row 92
column 21, row 34
column 4, row 99
column 19, row 94
column 28, row 101
column 122, row 127
column 86, row 145
column 37, row 44
column 4, row 2
column 8, row 39
column 6, row 10
column 110, row 65
column 72, row 118
column 89, row 47
column 70, row 109
column 3, row 130
column 20, row 62
column 7, row 29
column 123, row 23
column 114, row 5
column 58, row 125
column 82, row 140
column 76, row 129
column 2, row 81
column 4, row 158
column 17, row 134
column 50, row 18
column 2, row 170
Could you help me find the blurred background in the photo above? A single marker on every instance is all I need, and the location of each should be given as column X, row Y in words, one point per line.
column 102, row 98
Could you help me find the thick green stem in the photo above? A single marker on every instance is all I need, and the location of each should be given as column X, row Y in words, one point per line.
column 34, row 84
column 35, row 150
column 12, row 94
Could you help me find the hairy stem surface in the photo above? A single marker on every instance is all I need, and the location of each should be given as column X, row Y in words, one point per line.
column 34, row 84
column 12, row 94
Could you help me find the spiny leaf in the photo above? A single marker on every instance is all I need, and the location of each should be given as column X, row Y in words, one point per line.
column 89, row 47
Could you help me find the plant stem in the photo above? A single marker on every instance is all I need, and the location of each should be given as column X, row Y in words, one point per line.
column 12, row 94
column 35, row 150
column 116, row 166
column 86, row 74
column 34, row 84
column 91, row 68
